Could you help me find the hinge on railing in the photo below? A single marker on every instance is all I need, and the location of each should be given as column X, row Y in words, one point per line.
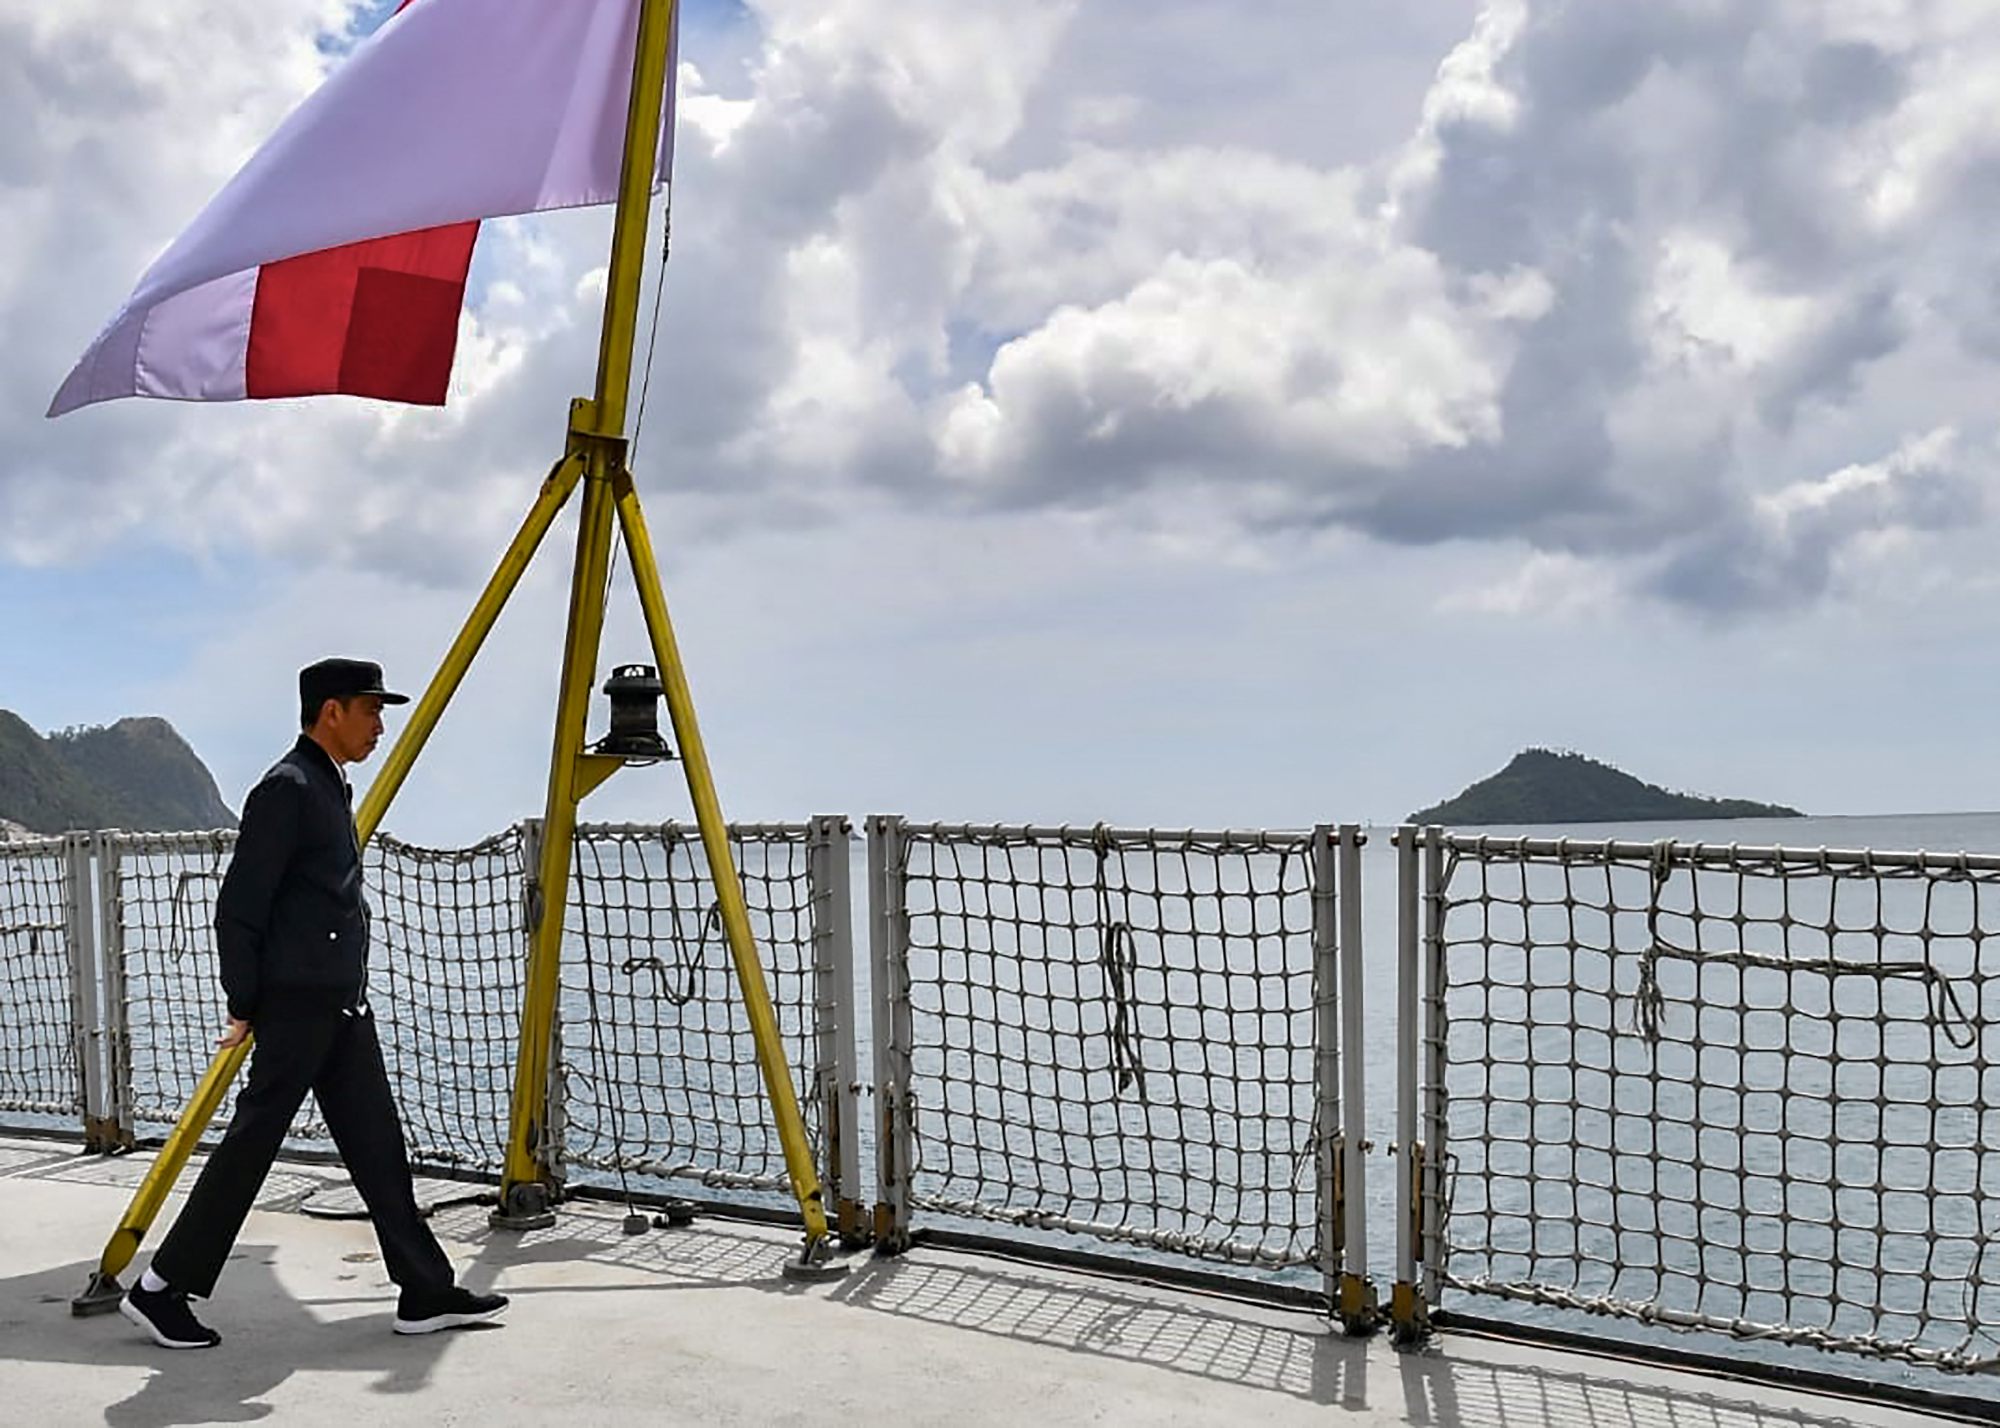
column 855, row 1221
column 1408, row 1312
column 1360, row 1312
column 1417, row 1197
column 1354, row 1296
column 1337, row 1215
column 102, row 1135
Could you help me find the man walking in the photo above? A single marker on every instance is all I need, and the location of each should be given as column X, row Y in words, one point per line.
column 291, row 925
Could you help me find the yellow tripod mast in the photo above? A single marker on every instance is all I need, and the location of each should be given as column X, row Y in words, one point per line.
column 594, row 457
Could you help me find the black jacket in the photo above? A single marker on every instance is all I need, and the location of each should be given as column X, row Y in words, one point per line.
column 291, row 923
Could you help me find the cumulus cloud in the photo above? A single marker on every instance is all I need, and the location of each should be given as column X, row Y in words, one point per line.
column 1794, row 540
column 1637, row 291
column 1632, row 274
column 1754, row 222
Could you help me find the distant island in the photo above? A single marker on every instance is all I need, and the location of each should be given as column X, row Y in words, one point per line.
column 1545, row 786
column 137, row 774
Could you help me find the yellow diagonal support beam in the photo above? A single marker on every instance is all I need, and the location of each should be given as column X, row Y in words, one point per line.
column 424, row 716
column 778, row 1087
column 103, row 1291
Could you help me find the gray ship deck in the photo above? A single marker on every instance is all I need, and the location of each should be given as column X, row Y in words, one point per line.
column 697, row 1326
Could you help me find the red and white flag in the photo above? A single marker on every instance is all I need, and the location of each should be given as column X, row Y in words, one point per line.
column 336, row 259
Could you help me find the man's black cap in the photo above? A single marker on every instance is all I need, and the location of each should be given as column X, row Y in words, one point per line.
column 341, row 679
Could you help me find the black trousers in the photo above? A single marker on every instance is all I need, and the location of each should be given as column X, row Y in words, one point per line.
column 336, row 1056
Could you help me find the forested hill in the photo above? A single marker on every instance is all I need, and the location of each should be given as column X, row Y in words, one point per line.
column 137, row 774
column 1544, row 786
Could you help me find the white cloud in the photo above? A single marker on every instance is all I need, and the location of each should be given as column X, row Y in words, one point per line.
column 1543, row 585
column 1226, row 372
column 1710, row 315
column 1620, row 277
column 1826, row 531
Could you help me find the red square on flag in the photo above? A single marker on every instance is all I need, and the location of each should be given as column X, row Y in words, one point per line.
column 401, row 336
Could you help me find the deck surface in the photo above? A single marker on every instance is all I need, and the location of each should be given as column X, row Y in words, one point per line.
column 698, row 1326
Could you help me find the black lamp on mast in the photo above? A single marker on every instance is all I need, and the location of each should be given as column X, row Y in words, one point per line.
column 634, row 691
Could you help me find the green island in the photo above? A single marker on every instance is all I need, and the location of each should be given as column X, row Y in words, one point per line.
column 1551, row 786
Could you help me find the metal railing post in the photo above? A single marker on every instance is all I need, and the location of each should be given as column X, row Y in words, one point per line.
column 825, row 1008
column 889, row 993
column 1326, row 1062
column 837, row 1071
column 86, row 993
column 1359, row 1310
column 1407, row 1308
column 1435, row 1149
column 115, row 996
column 549, row 1152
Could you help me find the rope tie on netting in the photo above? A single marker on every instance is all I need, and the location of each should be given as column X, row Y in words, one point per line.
column 185, row 921
column 688, row 967
column 1948, row 1009
column 1959, row 1026
column 1649, row 1014
column 1114, row 940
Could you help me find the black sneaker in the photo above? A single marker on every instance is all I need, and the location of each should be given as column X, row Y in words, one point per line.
column 448, row 1309
column 165, row 1315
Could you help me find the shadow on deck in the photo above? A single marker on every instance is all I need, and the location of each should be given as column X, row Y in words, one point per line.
column 697, row 1325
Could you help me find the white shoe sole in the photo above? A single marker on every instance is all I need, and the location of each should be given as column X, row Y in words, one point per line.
column 153, row 1332
column 446, row 1321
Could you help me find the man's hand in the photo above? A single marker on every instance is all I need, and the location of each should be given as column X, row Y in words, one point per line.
column 234, row 1036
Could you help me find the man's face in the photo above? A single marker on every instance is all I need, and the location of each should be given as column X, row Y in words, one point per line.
column 352, row 726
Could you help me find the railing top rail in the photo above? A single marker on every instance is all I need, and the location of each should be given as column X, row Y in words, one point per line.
column 33, row 843
column 1079, row 834
column 223, row 837
column 213, row 839
column 674, row 828
column 1725, row 855
column 1085, row 835
column 491, row 843
column 126, row 842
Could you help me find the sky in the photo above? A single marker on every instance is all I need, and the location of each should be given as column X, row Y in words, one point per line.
column 1188, row 413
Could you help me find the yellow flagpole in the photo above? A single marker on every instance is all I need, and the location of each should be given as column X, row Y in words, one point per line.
column 597, row 434
column 597, row 437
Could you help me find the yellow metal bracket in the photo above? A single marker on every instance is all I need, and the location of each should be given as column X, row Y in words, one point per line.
column 1358, row 1310
column 1409, row 1314
column 592, row 770
column 603, row 450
